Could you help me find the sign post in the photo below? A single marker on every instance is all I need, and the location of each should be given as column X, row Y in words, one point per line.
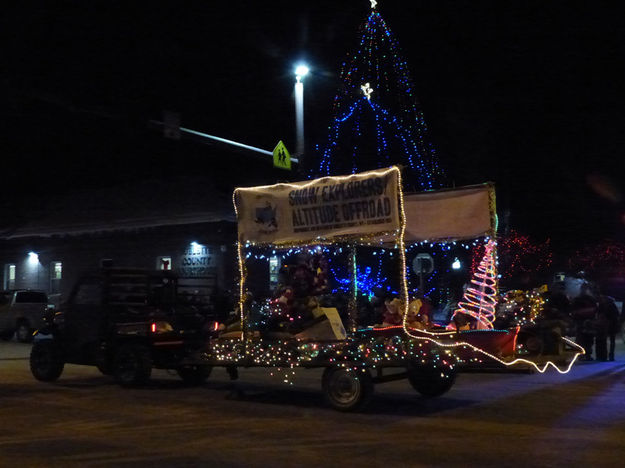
column 423, row 264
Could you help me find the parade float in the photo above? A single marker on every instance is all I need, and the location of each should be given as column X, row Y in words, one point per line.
column 303, row 323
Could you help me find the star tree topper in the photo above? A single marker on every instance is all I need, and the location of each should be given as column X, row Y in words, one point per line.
column 374, row 3
column 367, row 90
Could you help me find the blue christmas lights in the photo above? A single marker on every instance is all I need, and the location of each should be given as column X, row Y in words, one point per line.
column 398, row 133
column 367, row 283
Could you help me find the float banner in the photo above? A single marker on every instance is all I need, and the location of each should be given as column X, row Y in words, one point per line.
column 462, row 213
column 358, row 205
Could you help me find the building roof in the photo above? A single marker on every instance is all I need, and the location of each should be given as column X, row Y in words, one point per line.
column 152, row 203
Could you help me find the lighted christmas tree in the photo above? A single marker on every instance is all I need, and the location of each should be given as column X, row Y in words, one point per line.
column 377, row 119
column 480, row 298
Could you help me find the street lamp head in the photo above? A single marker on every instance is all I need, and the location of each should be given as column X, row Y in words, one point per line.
column 301, row 71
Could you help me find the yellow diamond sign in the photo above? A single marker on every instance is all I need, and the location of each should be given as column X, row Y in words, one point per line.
column 281, row 157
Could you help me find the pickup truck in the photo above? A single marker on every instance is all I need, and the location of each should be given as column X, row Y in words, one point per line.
column 21, row 312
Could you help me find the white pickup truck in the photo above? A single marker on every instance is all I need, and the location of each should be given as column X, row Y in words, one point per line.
column 21, row 312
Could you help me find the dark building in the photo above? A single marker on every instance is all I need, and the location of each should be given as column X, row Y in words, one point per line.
column 146, row 226
column 127, row 198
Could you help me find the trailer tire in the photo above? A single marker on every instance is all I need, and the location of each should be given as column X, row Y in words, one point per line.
column 347, row 389
column 431, row 381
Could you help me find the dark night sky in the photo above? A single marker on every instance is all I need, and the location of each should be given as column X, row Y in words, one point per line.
column 525, row 93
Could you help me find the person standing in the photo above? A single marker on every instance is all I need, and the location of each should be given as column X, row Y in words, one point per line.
column 608, row 318
column 583, row 311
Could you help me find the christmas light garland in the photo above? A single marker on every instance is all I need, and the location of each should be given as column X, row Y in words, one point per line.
column 520, row 255
column 605, row 258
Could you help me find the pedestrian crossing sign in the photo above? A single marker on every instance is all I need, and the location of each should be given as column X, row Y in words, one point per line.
column 281, row 157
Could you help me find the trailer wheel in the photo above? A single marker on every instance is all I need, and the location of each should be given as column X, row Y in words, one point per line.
column 194, row 375
column 431, row 381
column 347, row 389
column 132, row 366
column 46, row 361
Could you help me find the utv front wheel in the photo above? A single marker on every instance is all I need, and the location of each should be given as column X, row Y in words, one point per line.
column 46, row 361
column 347, row 389
column 132, row 366
column 194, row 375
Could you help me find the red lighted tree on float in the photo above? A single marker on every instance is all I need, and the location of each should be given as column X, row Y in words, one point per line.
column 480, row 297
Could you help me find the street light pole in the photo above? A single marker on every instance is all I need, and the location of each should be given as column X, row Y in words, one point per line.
column 300, row 72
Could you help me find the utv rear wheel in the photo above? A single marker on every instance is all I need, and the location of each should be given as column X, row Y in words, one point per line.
column 347, row 389
column 431, row 381
column 103, row 360
column 132, row 366
column 46, row 361
column 194, row 375
column 23, row 333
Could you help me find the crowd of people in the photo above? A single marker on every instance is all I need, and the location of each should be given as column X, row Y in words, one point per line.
column 591, row 317
column 597, row 323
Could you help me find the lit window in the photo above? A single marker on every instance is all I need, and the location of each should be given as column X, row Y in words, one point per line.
column 57, row 270
column 163, row 263
column 56, row 273
column 9, row 276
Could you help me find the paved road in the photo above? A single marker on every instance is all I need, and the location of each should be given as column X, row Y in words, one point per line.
column 485, row 420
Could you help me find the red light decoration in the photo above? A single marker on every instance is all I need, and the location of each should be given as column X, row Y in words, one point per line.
column 518, row 255
column 607, row 257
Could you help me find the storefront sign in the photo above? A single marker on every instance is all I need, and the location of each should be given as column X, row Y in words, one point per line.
column 198, row 261
column 358, row 205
